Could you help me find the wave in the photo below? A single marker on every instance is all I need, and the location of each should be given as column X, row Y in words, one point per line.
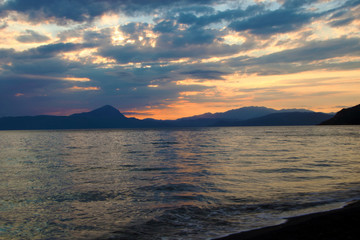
column 283, row 170
column 193, row 222
column 172, row 187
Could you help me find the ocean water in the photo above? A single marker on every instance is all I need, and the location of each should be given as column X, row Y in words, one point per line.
column 194, row 183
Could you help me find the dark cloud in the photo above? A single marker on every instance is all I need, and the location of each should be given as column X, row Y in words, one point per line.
column 35, row 96
column 315, row 50
column 136, row 32
column 32, row 37
column 50, row 50
column 165, row 51
column 40, row 66
column 351, row 3
column 291, row 16
column 271, row 22
column 12, row 84
column 165, row 26
column 145, row 6
column 338, row 14
column 25, row 96
column 343, row 15
column 206, row 74
column 94, row 38
column 134, row 27
column 196, row 9
column 342, row 22
column 302, row 58
column 62, row 11
column 228, row 15
column 297, row 3
column 6, row 53
column 174, row 42
column 194, row 36
column 187, row 18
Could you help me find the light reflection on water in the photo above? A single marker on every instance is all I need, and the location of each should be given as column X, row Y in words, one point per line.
column 177, row 183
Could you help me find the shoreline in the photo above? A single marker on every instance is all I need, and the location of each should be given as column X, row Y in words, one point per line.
column 337, row 224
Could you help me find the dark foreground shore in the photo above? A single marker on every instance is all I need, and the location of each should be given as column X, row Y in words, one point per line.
column 339, row 224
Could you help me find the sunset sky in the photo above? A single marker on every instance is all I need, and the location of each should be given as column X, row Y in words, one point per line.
column 167, row 59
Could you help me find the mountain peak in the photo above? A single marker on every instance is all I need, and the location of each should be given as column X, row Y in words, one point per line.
column 106, row 111
column 106, row 108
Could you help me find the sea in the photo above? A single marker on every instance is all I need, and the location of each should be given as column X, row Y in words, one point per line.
column 171, row 183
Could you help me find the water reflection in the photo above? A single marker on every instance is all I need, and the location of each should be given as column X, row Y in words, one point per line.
column 132, row 183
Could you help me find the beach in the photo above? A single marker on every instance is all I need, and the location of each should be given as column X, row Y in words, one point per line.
column 330, row 225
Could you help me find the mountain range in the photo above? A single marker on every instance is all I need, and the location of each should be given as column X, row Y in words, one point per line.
column 244, row 113
column 110, row 117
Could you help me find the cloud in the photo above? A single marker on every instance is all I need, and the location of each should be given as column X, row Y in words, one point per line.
column 63, row 11
column 77, row 88
column 6, row 53
column 342, row 22
column 194, row 36
column 315, row 50
column 50, row 50
column 93, row 38
column 334, row 54
column 39, row 66
column 271, row 22
column 3, row 25
column 205, row 74
column 228, row 15
column 134, row 28
column 34, row 96
column 44, row 59
column 32, row 37
column 171, row 42
column 162, row 43
column 137, row 54
column 297, row 3
column 308, row 57
column 165, row 26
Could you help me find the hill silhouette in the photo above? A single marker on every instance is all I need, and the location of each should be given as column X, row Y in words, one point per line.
column 235, row 114
column 106, row 111
column 346, row 116
column 104, row 117
column 110, row 117
column 243, row 113
column 282, row 119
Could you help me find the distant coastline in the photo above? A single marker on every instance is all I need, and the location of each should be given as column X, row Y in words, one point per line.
column 109, row 117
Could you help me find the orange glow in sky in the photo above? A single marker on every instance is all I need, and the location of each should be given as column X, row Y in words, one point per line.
column 152, row 64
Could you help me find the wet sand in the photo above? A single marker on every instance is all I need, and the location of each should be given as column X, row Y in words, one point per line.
column 339, row 224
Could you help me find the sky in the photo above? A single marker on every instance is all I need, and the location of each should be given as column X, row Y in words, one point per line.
column 168, row 59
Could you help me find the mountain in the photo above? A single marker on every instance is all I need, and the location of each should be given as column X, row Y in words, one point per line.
column 104, row 117
column 106, row 111
column 281, row 119
column 238, row 114
column 109, row 117
column 346, row 116
column 241, row 113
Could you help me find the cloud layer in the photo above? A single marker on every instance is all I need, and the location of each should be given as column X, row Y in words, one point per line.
column 166, row 58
